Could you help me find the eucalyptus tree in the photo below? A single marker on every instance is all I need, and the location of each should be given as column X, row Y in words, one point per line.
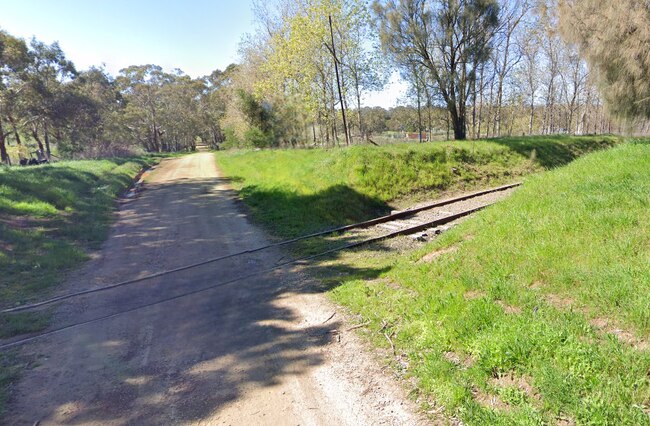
column 48, row 72
column 450, row 38
column 214, row 102
column 140, row 88
column 14, row 60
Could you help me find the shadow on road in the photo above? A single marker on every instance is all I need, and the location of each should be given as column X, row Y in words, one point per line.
column 191, row 358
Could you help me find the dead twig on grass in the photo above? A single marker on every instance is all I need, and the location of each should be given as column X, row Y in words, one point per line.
column 392, row 346
column 354, row 327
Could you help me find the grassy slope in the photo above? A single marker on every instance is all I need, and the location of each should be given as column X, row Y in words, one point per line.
column 537, row 291
column 49, row 216
column 298, row 191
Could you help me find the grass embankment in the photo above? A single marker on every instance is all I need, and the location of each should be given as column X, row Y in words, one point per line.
column 49, row 217
column 536, row 310
column 297, row 191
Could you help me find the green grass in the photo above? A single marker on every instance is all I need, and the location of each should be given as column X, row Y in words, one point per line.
column 297, row 191
column 538, row 288
column 50, row 216
column 538, row 309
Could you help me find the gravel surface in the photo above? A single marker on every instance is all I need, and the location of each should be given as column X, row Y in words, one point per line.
column 429, row 215
column 263, row 351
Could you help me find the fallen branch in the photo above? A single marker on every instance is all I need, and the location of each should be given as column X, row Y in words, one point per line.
column 329, row 318
column 392, row 346
column 363, row 324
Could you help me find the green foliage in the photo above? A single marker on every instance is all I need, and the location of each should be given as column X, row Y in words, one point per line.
column 261, row 132
column 522, row 296
column 421, row 35
column 614, row 37
column 297, row 191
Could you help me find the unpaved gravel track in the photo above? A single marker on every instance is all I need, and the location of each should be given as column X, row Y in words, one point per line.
column 254, row 352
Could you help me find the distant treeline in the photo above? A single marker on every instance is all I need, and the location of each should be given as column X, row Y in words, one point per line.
column 476, row 68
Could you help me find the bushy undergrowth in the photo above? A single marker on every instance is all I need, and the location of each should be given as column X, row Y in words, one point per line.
column 296, row 191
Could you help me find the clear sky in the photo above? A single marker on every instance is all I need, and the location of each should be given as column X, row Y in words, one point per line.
column 197, row 36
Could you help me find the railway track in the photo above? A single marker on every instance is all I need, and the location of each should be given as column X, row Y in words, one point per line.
column 399, row 223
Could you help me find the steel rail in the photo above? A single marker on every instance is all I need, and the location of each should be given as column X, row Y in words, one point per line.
column 364, row 224
column 405, row 231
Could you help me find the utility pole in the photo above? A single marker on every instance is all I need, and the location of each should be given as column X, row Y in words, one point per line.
column 338, row 84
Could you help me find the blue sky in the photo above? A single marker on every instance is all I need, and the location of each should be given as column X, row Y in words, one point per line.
column 197, row 36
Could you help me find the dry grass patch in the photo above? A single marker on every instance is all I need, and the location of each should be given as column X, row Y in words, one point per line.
column 520, row 383
column 473, row 294
column 560, row 302
column 430, row 257
column 624, row 336
column 491, row 401
column 459, row 360
column 509, row 309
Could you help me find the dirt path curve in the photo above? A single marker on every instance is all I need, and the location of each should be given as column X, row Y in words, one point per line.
column 255, row 352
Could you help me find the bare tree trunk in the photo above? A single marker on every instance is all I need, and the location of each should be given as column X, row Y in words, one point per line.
column 359, row 118
column 338, row 84
column 19, row 142
column 480, row 105
column 46, row 136
column 474, row 110
column 4, row 155
column 419, row 111
column 37, row 138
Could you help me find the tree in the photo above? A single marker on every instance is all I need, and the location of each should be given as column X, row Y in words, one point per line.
column 14, row 60
column 213, row 104
column 529, row 43
column 450, row 38
column 48, row 71
column 140, row 86
column 614, row 37
column 512, row 15
column 302, row 53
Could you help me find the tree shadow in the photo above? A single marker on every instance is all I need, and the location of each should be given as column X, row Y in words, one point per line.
column 289, row 214
column 195, row 357
column 555, row 151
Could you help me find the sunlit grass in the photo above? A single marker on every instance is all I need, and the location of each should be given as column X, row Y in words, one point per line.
column 550, row 287
column 298, row 191
column 50, row 216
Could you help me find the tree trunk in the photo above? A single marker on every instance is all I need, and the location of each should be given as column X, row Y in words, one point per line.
column 37, row 139
column 19, row 142
column 458, row 122
column 4, row 155
column 359, row 118
column 338, row 84
column 532, row 115
column 419, row 116
column 47, row 140
column 480, row 105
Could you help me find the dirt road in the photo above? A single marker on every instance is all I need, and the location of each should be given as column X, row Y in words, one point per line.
column 255, row 352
